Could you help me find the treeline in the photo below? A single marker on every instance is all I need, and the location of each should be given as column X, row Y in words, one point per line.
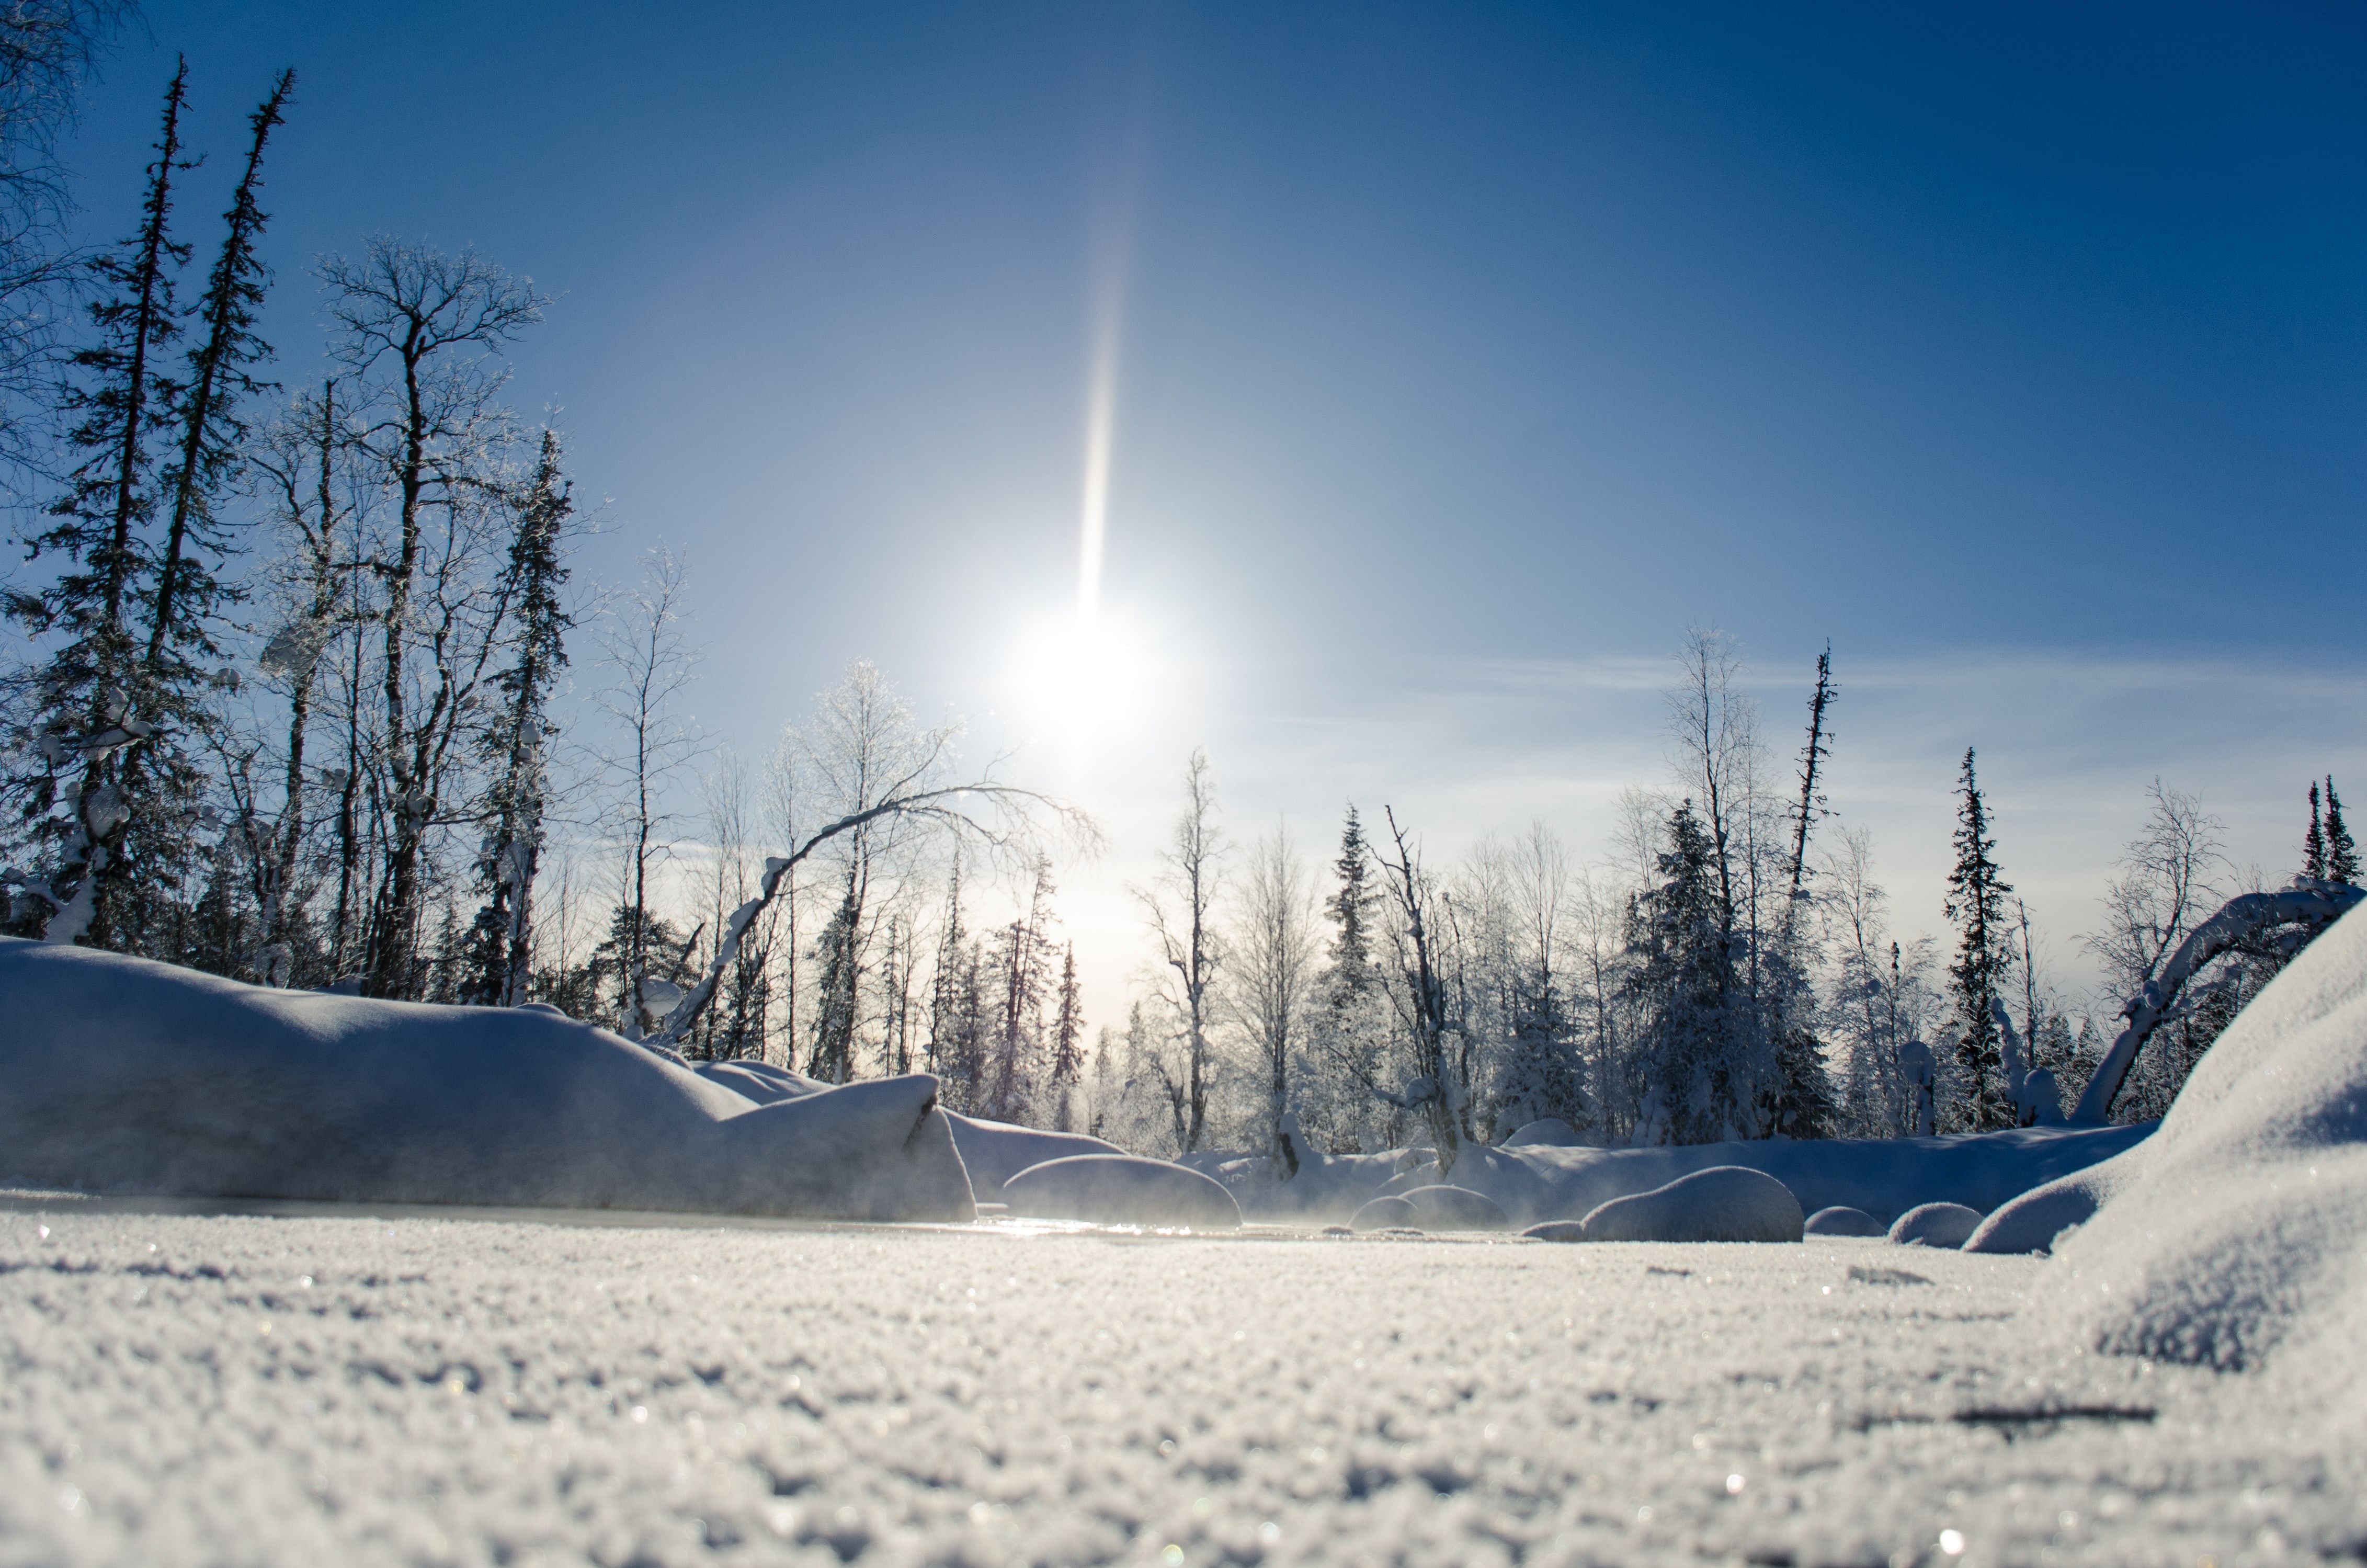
column 304, row 691
column 1728, row 971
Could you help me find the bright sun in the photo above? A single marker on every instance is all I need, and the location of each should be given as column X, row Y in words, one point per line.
column 1081, row 675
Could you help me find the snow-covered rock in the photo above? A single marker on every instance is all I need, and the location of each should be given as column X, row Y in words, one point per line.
column 1550, row 1133
column 1386, row 1214
column 1842, row 1220
column 1935, row 1225
column 1883, row 1177
column 121, row 1075
column 1121, row 1189
column 1558, row 1231
column 1726, row 1203
column 2240, row 1227
column 1456, row 1208
column 997, row 1150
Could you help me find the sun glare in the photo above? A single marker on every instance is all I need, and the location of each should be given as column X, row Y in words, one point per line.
column 1082, row 676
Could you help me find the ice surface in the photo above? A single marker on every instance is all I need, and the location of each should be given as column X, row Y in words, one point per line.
column 1935, row 1225
column 1724, row 1203
column 1121, row 1189
column 1842, row 1222
column 124, row 1075
column 184, row 1392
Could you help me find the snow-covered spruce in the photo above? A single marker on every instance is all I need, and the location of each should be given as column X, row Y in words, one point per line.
column 128, row 1076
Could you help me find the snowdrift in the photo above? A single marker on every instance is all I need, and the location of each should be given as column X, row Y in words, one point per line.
column 1884, row 1178
column 1121, row 1189
column 122, row 1076
column 1724, row 1203
column 1841, row 1221
column 2242, row 1223
column 1935, row 1225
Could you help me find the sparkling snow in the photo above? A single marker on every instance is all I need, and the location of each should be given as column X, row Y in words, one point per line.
column 423, row 1389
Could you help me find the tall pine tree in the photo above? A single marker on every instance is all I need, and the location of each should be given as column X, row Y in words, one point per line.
column 2312, row 843
column 85, row 722
column 501, row 941
column 2341, row 854
column 1976, row 901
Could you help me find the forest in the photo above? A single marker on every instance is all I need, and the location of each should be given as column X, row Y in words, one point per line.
column 303, row 688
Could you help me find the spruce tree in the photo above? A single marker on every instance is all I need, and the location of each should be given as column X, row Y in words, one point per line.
column 2341, row 854
column 1351, row 908
column 1976, row 903
column 945, row 984
column 84, row 720
column 1694, row 1049
column 2313, row 843
column 1068, row 1038
column 501, row 941
column 211, row 438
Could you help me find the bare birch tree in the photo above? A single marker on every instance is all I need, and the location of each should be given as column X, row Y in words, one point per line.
column 1274, row 978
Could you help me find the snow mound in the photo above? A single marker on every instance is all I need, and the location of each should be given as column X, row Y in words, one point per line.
column 1551, row 1133
column 1456, row 1208
column 1384, row 1214
column 1121, row 1189
column 2241, row 1225
column 2033, row 1221
column 1724, row 1203
column 1841, row 1221
column 1935, row 1225
column 759, row 1082
column 997, row 1150
column 1558, row 1231
column 128, row 1076
column 1883, row 1177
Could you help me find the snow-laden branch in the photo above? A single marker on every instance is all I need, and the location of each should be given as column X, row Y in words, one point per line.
column 951, row 806
column 2308, row 905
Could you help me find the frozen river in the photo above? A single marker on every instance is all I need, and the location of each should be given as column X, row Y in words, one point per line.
column 325, row 1387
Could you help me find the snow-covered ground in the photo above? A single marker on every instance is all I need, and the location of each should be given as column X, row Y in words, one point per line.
column 181, row 1388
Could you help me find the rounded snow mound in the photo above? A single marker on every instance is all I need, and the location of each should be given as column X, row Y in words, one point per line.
column 1946, row 1225
column 1121, row 1189
column 2241, row 1225
column 1448, row 1208
column 1840, row 1220
column 1723, row 1203
column 1558, row 1231
column 1547, row 1133
column 126, row 1076
column 1383, row 1214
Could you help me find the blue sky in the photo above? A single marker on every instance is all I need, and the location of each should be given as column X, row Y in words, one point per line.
column 1467, row 354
